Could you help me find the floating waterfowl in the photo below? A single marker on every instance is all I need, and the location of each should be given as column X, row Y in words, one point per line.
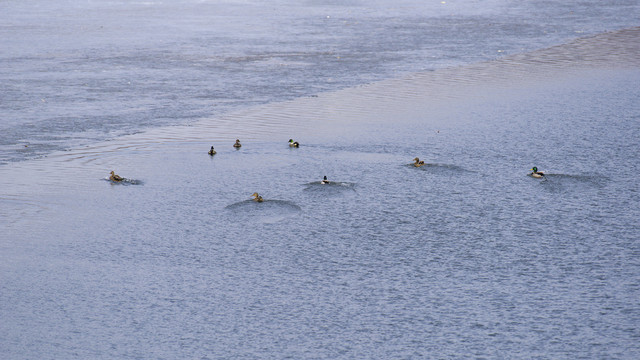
column 114, row 177
column 293, row 143
column 417, row 162
column 324, row 181
column 212, row 151
column 535, row 173
column 257, row 198
column 237, row 144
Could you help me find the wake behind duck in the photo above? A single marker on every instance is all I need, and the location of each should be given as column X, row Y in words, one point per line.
column 257, row 204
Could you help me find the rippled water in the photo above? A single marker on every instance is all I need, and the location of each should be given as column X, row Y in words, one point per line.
column 77, row 72
column 465, row 257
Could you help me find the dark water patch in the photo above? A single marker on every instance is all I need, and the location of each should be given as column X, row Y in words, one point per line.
column 567, row 183
column 267, row 211
column 594, row 179
column 124, row 181
column 333, row 188
column 266, row 205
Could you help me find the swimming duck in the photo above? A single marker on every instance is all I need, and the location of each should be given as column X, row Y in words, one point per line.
column 237, row 144
column 293, row 143
column 417, row 162
column 257, row 198
column 535, row 173
column 212, row 151
column 324, row 181
column 114, row 177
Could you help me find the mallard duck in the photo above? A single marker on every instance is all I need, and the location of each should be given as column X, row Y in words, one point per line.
column 417, row 162
column 535, row 173
column 237, row 144
column 114, row 177
column 257, row 198
column 212, row 151
column 293, row 143
column 324, row 181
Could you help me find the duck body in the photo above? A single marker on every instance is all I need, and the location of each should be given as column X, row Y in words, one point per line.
column 418, row 162
column 294, row 144
column 535, row 173
column 212, row 151
column 325, row 181
column 114, row 177
column 237, row 145
column 257, row 198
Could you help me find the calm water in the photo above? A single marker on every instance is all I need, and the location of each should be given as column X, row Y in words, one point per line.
column 466, row 257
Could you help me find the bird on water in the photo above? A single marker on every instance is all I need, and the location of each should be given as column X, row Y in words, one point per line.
column 535, row 173
column 114, row 177
column 257, row 198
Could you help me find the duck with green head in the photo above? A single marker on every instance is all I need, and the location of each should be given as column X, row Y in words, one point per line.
column 212, row 151
column 535, row 173
column 294, row 144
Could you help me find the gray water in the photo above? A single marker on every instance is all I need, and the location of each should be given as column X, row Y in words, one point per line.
column 466, row 257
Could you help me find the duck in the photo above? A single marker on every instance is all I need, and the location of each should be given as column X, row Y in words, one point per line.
column 535, row 173
column 417, row 162
column 325, row 181
column 114, row 177
column 294, row 144
column 237, row 144
column 212, row 151
column 257, row 198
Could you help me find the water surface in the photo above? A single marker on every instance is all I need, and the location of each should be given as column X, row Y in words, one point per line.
column 466, row 257
column 75, row 73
